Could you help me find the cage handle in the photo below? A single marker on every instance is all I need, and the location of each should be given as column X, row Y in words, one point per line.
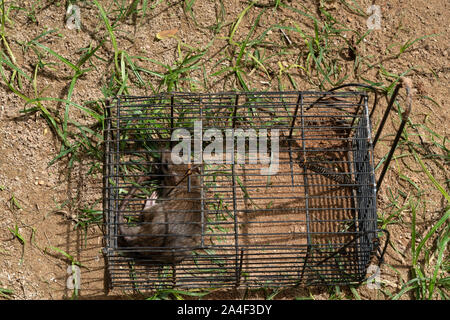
column 403, row 81
column 407, row 84
column 386, row 243
column 380, row 252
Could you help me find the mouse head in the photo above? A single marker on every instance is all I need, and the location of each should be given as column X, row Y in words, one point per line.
column 175, row 174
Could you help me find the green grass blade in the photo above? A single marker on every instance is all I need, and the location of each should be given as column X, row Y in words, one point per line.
column 59, row 57
column 88, row 111
column 410, row 43
column 4, row 292
column 178, row 293
column 65, row 254
column 410, row 285
column 442, row 247
column 237, row 23
column 111, row 34
column 16, row 233
column 89, row 54
column 430, row 176
column 67, row 108
column 430, row 233
column 4, row 59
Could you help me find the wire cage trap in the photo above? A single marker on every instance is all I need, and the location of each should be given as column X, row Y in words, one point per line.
column 277, row 189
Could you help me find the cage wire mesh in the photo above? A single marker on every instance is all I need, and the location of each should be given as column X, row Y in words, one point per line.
column 312, row 222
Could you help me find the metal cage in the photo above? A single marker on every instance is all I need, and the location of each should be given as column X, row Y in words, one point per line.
column 312, row 221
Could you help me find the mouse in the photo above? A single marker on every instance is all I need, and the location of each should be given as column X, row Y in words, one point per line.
column 169, row 226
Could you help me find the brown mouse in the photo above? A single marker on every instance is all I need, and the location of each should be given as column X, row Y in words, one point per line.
column 170, row 225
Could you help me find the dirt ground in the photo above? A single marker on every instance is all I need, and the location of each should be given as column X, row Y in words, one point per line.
column 44, row 202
